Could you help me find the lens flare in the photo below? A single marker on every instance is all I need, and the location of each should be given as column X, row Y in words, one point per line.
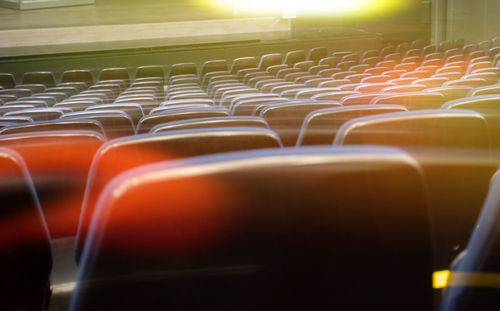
column 290, row 8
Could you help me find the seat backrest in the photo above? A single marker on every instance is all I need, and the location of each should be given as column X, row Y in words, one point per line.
column 78, row 76
column 246, row 107
column 262, row 230
column 200, row 123
column 149, row 121
column 286, row 118
column 7, row 80
column 135, row 111
column 453, row 148
column 150, row 72
column 243, row 63
column 39, row 77
column 293, row 57
column 115, row 123
column 320, row 127
column 38, row 114
column 56, row 125
column 316, row 54
column 486, row 105
column 214, row 66
column 114, row 74
column 25, row 250
column 472, row 283
column 412, row 101
column 120, row 155
column 269, row 60
column 65, row 157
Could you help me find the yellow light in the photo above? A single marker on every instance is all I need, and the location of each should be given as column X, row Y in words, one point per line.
column 440, row 279
column 310, row 7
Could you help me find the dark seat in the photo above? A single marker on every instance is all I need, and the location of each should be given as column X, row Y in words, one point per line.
column 316, row 54
column 114, row 74
column 262, row 230
column 246, row 107
column 38, row 114
column 472, row 284
column 412, row 101
column 320, row 127
column 120, row 155
column 243, row 63
column 6, row 108
column 486, row 105
column 133, row 110
column 6, row 97
column 17, row 92
column 56, row 125
column 77, row 105
column 35, row 88
column 39, row 77
column 214, row 66
column 58, row 162
column 183, row 69
column 25, row 252
column 287, row 118
column 451, row 92
column 78, row 76
column 116, row 123
column 150, row 72
column 149, row 121
column 7, row 80
column 453, row 148
column 201, row 123
column 269, row 60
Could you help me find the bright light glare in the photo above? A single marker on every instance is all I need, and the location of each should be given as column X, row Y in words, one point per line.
column 290, row 8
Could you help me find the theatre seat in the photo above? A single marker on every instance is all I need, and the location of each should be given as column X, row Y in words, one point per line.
column 262, row 230
column 412, row 100
column 111, row 74
column 114, row 122
column 472, row 283
column 205, row 123
column 453, row 148
column 486, row 105
column 286, row 118
column 39, row 77
column 154, row 71
column 56, row 125
column 78, row 76
column 119, row 155
column 38, row 114
column 320, row 126
column 7, row 80
column 58, row 162
column 25, row 252
column 149, row 121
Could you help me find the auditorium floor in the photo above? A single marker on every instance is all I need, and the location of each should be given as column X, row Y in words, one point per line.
column 109, row 12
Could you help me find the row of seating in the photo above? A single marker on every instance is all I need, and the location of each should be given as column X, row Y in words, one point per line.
column 225, row 225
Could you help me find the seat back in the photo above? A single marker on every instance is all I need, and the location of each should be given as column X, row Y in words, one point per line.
column 58, row 163
column 201, row 123
column 453, row 148
column 57, row 125
column 287, row 118
column 472, row 284
column 486, row 105
column 25, row 252
column 115, row 123
column 262, row 230
column 320, row 127
column 412, row 101
column 148, row 122
column 119, row 155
